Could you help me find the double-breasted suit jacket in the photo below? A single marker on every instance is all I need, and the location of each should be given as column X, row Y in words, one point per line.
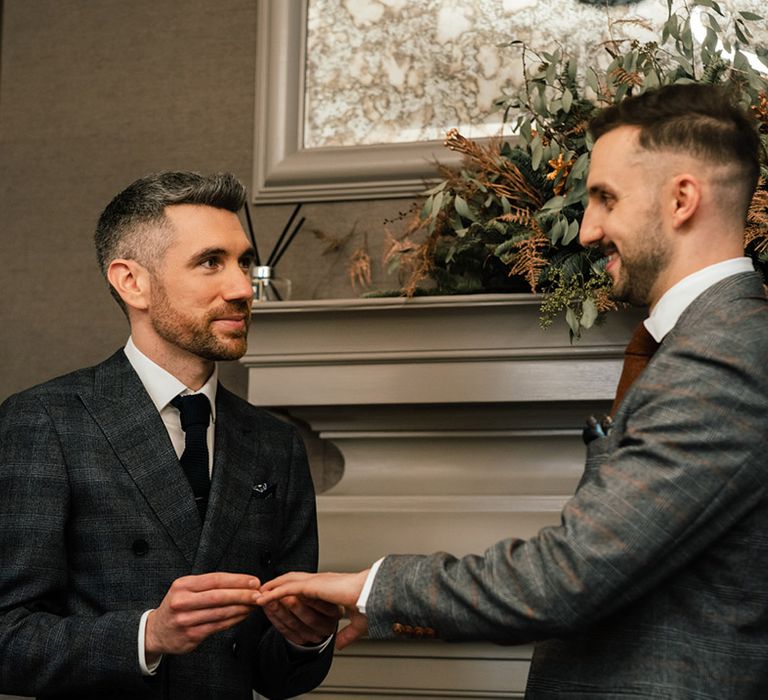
column 97, row 519
column 655, row 584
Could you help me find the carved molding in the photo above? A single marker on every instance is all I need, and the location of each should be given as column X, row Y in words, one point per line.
column 285, row 171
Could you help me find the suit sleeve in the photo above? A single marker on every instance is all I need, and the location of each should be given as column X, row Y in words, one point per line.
column 281, row 671
column 43, row 647
column 682, row 467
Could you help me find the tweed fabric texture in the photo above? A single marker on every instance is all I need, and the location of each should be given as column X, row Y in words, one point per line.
column 97, row 519
column 655, row 583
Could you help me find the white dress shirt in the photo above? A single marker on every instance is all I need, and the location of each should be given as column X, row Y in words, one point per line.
column 162, row 387
column 678, row 298
column 662, row 319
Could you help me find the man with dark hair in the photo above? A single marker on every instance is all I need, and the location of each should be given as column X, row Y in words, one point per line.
column 655, row 584
column 141, row 503
column 697, row 119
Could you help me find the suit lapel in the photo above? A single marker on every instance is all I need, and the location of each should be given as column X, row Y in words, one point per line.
column 134, row 429
column 234, row 468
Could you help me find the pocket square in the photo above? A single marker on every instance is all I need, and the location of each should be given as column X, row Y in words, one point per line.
column 595, row 430
column 264, row 490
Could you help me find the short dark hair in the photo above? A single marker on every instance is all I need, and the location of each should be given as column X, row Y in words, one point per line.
column 695, row 118
column 127, row 228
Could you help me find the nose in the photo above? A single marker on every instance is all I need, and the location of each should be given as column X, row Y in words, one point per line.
column 590, row 231
column 238, row 285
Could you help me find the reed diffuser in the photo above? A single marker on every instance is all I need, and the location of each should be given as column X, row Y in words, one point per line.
column 267, row 286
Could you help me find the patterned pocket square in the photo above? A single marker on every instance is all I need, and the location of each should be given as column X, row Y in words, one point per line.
column 265, row 490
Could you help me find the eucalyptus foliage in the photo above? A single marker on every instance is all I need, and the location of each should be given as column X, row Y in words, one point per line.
column 509, row 219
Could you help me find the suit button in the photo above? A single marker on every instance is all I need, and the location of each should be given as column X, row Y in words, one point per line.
column 397, row 628
column 234, row 648
column 140, row 547
column 266, row 558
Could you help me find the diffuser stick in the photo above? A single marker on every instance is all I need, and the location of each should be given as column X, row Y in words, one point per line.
column 251, row 233
column 288, row 241
column 271, row 261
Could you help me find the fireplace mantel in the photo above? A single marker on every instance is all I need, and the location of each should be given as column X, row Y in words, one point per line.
column 461, row 349
column 459, row 420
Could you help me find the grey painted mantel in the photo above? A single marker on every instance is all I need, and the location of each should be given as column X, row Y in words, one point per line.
column 459, row 424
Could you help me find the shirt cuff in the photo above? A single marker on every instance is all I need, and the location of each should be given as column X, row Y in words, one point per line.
column 317, row 648
column 146, row 669
column 363, row 599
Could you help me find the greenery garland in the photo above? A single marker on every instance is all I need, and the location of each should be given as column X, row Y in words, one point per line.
column 508, row 220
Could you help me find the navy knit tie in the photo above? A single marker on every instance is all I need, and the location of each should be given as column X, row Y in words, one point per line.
column 195, row 413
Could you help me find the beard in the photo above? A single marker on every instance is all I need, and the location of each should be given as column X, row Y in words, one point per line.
column 640, row 265
column 197, row 335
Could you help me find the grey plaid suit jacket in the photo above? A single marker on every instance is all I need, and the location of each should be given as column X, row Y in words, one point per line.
column 655, row 584
column 97, row 520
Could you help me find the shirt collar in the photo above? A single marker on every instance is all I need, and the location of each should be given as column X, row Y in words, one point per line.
column 161, row 385
column 679, row 297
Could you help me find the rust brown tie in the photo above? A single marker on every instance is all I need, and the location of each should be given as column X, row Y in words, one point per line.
column 639, row 351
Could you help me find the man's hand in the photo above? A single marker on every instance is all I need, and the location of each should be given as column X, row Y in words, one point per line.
column 337, row 589
column 303, row 621
column 194, row 608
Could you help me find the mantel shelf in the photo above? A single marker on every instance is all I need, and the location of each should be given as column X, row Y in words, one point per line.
column 459, row 349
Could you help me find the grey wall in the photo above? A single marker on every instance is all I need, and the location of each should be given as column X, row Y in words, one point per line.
column 94, row 94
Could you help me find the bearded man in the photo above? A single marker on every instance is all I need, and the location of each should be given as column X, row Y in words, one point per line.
column 141, row 502
column 655, row 584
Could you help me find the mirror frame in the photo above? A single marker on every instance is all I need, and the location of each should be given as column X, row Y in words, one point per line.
column 285, row 171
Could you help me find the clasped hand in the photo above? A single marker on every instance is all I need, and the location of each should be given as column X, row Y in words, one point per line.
column 340, row 590
column 196, row 607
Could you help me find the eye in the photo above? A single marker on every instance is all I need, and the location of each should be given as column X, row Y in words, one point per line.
column 607, row 200
column 210, row 263
column 600, row 197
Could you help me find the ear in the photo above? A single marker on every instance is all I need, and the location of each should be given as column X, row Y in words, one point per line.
column 131, row 281
column 685, row 199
